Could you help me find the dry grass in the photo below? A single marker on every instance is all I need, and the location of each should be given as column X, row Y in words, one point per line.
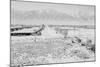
column 45, row 52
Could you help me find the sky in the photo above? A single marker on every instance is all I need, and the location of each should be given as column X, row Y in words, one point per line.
column 36, row 13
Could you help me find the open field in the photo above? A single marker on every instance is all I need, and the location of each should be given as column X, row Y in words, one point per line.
column 79, row 45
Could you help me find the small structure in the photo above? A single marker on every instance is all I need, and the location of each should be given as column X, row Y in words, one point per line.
column 48, row 32
column 26, row 32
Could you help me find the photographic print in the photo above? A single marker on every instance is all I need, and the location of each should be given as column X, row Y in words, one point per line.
column 51, row 33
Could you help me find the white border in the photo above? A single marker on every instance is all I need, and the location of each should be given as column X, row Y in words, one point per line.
column 5, row 33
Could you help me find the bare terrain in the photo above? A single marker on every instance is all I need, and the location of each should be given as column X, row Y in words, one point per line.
column 71, row 44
